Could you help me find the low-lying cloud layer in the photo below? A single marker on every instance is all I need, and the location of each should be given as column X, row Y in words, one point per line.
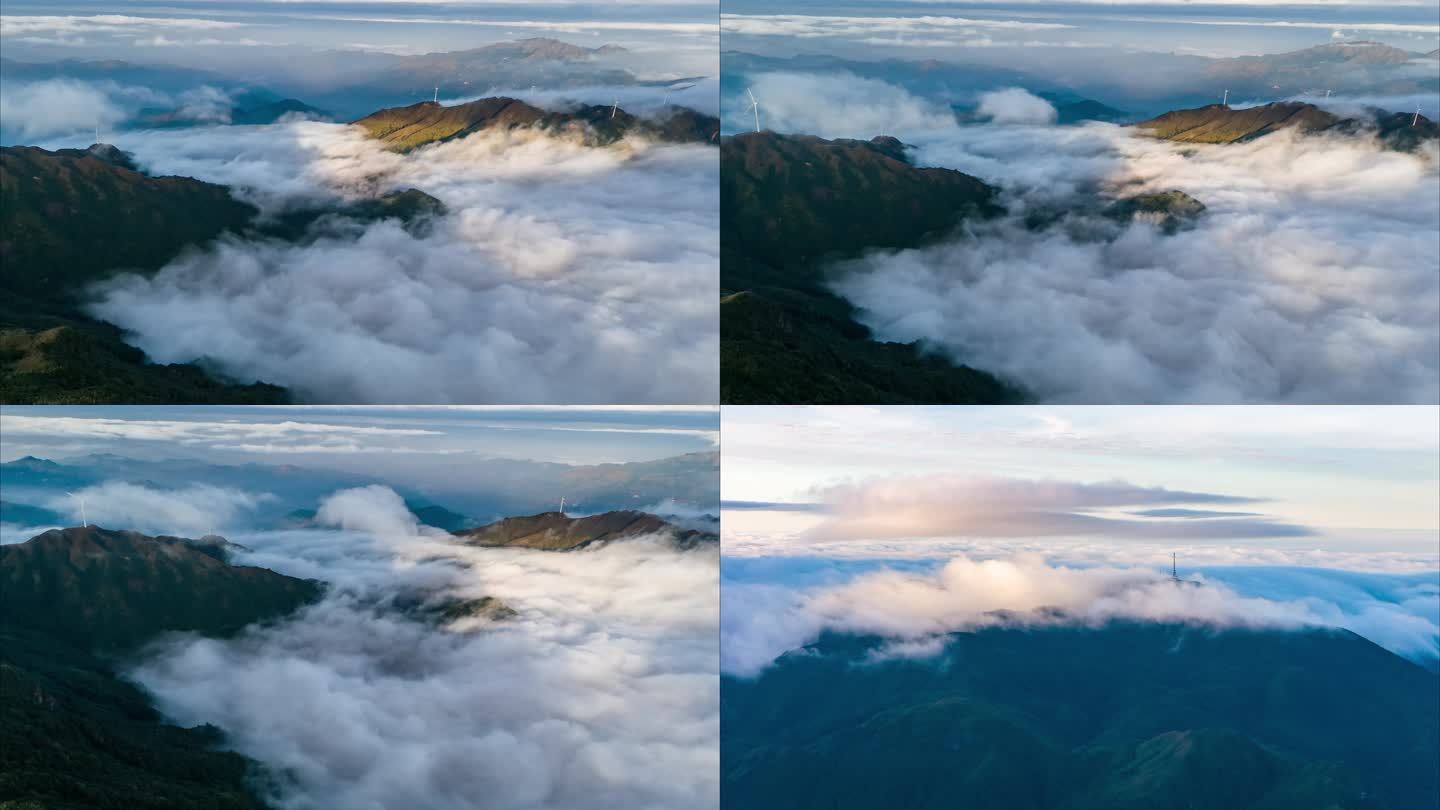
column 977, row 506
column 1310, row 278
column 915, row 609
column 601, row 693
column 557, row 265
column 190, row 511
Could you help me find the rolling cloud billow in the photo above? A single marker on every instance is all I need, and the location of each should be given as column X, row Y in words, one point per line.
column 582, row 700
column 556, row 265
column 1309, row 278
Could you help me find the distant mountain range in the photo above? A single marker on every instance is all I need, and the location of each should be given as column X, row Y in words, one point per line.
column 502, row 487
column 1128, row 716
column 1143, row 83
column 1217, row 123
column 792, row 202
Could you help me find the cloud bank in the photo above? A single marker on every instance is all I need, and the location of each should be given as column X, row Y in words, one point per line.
column 915, row 609
column 838, row 105
column 557, row 265
column 1015, row 105
column 584, row 700
column 978, row 506
column 184, row 512
column 1310, row 277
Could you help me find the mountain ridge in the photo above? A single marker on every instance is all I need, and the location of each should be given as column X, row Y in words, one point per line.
column 792, row 203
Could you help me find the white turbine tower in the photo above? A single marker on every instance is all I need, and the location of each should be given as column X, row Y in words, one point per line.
column 562, row 506
column 755, row 107
column 437, row 94
column 1416, row 120
column 614, row 108
column 84, row 521
column 1225, row 102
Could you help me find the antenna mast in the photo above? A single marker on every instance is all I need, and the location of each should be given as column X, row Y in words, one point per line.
column 84, row 521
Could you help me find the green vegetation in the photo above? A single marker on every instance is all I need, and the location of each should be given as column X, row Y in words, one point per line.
column 1129, row 716
column 74, row 217
column 553, row 531
column 792, row 203
column 76, row 736
column 406, row 128
column 1217, row 123
column 73, row 732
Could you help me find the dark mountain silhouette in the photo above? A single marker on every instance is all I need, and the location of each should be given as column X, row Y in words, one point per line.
column 101, row 589
column 1218, row 123
column 554, row 531
column 405, row 128
column 74, row 732
column 70, row 218
column 791, row 203
column 1122, row 717
column 74, row 217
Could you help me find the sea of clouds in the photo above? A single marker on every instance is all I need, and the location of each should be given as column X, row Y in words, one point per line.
column 556, row 266
column 1312, row 276
column 600, row 693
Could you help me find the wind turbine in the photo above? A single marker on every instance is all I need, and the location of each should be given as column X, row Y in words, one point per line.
column 1416, row 120
column 754, row 106
column 615, row 107
column 81, row 498
column 1225, row 102
column 437, row 94
column 562, row 506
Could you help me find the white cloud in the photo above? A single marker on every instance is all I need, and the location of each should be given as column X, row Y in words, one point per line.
column 314, row 436
column 833, row 105
column 1309, row 279
column 556, row 267
column 965, row 594
column 578, row 702
column 1015, row 105
column 18, row 24
column 44, row 108
column 807, row 26
column 188, row 512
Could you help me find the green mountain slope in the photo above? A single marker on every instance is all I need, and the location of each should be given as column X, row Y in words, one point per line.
column 554, row 531
column 1127, row 715
column 73, row 217
column 102, row 589
column 1217, row 123
column 791, row 203
column 406, row 128
column 73, row 732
